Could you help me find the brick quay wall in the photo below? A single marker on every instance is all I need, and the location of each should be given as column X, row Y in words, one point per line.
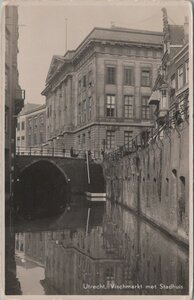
column 154, row 181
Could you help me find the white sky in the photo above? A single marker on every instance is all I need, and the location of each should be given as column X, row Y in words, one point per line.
column 42, row 32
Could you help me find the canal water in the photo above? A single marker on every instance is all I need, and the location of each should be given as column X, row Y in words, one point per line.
column 98, row 249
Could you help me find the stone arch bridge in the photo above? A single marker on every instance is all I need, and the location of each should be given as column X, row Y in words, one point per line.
column 48, row 182
column 73, row 169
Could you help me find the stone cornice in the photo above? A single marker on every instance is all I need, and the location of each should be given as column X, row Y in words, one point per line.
column 55, row 84
column 99, row 123
column 111, row 43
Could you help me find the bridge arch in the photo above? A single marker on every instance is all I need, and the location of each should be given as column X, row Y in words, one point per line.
column 49, row 161
column 42, row 188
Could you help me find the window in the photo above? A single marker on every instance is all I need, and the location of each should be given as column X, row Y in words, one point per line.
column 50, row 110
column 83, row 138
column 128, row 135
column 79, row 113
column 110, row 105
column 84, row 81
column 145, row 78
column 78, row 140
column 187, row 71
column 89, row 108
column 23, row 125
column 18, row 126
column 180, row 77
column 18, row 138
column 145, row 108
column 89, row 139
column 111, row 75
column 128, row 106
column 84, row 111
column 164, row 99
column 146, row 53
column 110, row 139
column 47, row 111
column 128, row 76
column 22, row 139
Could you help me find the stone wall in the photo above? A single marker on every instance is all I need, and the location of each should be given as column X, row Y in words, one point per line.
column 154, row 181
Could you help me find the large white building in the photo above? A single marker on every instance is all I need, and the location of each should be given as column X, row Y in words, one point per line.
column 97, row 96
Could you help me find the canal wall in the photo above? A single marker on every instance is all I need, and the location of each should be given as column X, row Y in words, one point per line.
column 154, row 181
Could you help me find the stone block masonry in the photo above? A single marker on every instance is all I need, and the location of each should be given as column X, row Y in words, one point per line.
column 154, row 181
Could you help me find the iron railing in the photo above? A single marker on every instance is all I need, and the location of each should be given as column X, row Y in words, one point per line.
column 177, row 113
column 57, row 152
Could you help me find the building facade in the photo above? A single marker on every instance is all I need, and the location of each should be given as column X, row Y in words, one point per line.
column 97, row 96
column 14, row 95
column 154, row 180
column 13, row 102
column 31, row 127
column 171, row 88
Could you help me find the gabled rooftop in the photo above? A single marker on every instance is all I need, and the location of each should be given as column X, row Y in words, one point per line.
column 176, row 33
column 28, row 107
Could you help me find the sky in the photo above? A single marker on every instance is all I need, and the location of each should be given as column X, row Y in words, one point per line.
column 42, row 31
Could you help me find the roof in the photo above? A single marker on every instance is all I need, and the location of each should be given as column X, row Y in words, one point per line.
column 56, row 62
column 28, row 107
column 120, row 34
column 113, row 34
column 69, row 54
column 127, row 35
column 176, row 34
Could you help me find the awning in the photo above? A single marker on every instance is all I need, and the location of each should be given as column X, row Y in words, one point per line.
column 155, row 97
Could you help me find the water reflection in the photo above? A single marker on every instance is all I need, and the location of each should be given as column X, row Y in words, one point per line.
column 117, row 253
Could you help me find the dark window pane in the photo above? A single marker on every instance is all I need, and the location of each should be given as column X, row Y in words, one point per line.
column 145, row 78
column 111, row 75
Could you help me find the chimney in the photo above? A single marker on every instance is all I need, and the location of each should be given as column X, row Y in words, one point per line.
column 186, row 30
